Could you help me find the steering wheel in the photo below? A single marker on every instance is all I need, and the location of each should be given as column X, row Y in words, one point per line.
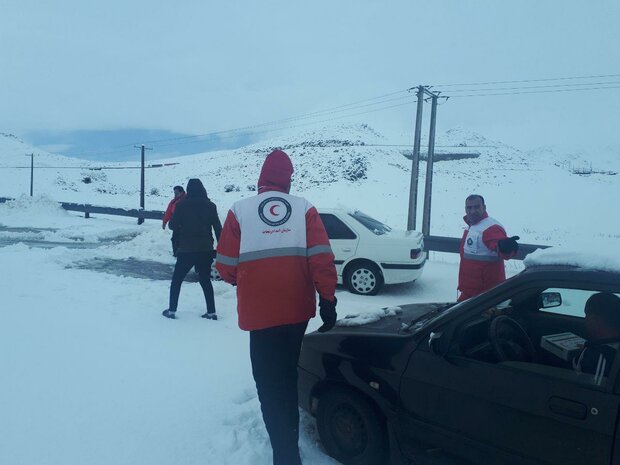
column 509, row 340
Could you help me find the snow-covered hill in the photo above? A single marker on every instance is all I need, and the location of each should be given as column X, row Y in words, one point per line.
column 13, row 151
column 534, row 194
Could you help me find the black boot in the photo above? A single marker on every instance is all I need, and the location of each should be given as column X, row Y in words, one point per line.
column 169, row 314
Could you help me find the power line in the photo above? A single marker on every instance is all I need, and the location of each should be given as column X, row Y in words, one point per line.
column 536, row 92
column 311, row 123
column 279, row 128
column 382, row 99
column 564, row 78
column 333, row 110
column 330, row 110
column 356, row 105
column 536, row 87
column 231, row 132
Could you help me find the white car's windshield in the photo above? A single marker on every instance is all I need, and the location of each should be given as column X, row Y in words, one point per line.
column 369, row 222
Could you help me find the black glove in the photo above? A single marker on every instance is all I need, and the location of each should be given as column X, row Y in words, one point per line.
column 508, row 245
column 327, row 310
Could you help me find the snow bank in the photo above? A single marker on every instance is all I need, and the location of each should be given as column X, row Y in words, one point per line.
column 42, row 205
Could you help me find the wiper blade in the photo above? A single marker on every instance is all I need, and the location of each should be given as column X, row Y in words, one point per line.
column 428, row 316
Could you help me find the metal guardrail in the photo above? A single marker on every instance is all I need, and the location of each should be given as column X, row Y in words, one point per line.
column 434, row 243
column 135, row 213
column 452, row 245
column 87, row 209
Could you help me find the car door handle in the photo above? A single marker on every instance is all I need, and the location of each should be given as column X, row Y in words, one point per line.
column 346, row 249
column 568, row 408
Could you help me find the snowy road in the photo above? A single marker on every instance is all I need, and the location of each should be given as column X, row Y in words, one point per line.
column 92, row 373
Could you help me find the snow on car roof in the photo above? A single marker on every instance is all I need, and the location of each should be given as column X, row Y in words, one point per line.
column 603, row 256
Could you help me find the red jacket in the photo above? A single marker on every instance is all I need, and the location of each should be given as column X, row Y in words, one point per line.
column 482, row 264
column 171, row 206
column 274, row 247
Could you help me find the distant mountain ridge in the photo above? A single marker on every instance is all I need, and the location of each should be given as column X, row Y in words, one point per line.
column 535, row 194
column 349, row 153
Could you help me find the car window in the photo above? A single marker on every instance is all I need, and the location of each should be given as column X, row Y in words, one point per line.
column 376, row 226
column 335, row 227
column 580, row 349
column 571, row 303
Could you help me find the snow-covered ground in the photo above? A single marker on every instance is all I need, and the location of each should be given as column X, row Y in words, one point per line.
column 91, row 371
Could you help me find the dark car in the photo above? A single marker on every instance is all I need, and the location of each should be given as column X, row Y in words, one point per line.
column 496, row 379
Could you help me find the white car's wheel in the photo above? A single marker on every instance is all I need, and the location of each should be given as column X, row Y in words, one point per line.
column 364, row 278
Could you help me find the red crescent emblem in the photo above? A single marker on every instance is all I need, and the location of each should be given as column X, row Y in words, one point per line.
column 272, row 210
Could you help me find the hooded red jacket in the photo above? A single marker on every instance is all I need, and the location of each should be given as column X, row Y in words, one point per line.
column 171, row 206
column 482, row 264
column 274, row 247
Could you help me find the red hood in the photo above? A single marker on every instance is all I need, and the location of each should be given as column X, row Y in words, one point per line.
column 276, row 173
column 485, row 215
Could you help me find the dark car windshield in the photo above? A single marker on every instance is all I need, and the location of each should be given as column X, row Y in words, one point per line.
column 369, row 222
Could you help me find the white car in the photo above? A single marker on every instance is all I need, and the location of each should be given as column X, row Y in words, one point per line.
column 369, row 253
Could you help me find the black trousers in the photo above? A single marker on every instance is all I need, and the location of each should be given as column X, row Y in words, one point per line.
column 185, row 260
column 275, row 353
column 175, row 242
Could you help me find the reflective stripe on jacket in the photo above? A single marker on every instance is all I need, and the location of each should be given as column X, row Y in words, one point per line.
column 474, row 247
column 275, row 249
column 482, row 266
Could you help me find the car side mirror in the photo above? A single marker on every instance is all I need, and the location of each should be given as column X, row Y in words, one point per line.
column 550, row 299
column 434, row 343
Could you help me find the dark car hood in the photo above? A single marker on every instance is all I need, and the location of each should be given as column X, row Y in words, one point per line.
column 382, row 344
column 389, row 323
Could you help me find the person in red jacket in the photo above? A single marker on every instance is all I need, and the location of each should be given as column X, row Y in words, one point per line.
column 484, row 247
column 274, row 248
column 179, row 194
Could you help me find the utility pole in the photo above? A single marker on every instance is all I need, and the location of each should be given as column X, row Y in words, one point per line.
column 415, row 163
column 142, row 149
column 31, row 155
column 428, row 190
column 415, row 170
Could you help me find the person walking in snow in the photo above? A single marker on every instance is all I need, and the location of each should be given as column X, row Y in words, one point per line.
column 274, row 248
column 484, row 247
column 179, row 194
column 193, row 219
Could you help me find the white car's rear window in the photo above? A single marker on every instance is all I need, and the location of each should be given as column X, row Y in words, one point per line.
column 376, row 226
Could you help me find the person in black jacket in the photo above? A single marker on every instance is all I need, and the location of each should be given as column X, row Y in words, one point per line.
column 602, row 325
column 193, row 219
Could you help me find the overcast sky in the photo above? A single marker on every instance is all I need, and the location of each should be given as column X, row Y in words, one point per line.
column 202, row 66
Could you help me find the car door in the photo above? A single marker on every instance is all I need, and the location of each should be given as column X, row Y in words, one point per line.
column 342, row 238
column 510, row 412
